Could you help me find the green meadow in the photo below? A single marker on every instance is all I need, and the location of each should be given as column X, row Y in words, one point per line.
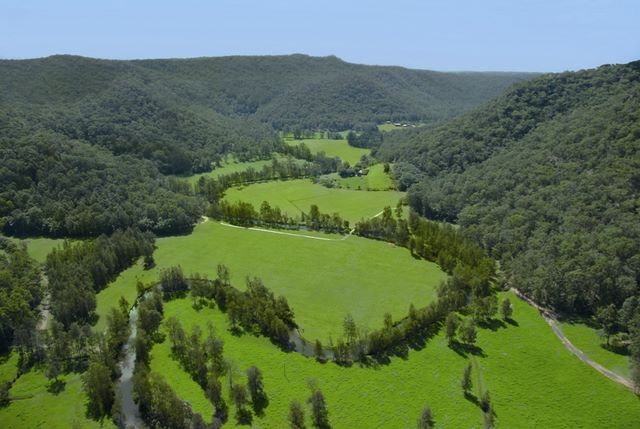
column 231, row 165
column 339, row 148
column 323, row 279
column 296, row 196
column 388, row 127
column 534, row 381
column 376, row 180
column 39, row 248
column 33, row 406
column 589, row 341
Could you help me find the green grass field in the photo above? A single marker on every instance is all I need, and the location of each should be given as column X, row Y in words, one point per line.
column 32, row 406
column 376, row 180
column 8, row 367
column 339, row 148
column 295, row 196
column 40, row 247
column 388, row 127
column 233, row 166
column 587, row 339
column 323, row 280
column 533, row 380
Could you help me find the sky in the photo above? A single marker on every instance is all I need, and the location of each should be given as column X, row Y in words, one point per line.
column 448, row 35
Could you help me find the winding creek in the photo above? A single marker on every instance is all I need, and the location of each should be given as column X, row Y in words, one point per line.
column 130, row 412
column 129, row 409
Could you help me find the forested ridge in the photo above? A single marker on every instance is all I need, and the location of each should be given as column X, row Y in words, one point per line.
column 547, row 177
column 287, row 92
column 85, row 144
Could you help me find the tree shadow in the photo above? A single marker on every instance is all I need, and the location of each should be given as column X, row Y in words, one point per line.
column 617, row 349
column 512, row 322
column 260, row 403
column 244, row 416
column 493, row 324
column 56, row 387
column 471, row 398
column 236, row 331
column 464, row 349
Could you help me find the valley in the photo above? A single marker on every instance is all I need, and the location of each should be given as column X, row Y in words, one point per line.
column 232, row 235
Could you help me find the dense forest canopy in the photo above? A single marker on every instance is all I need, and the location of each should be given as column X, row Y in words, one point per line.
column 547, row 177
column 232, row 94
column 85, row 143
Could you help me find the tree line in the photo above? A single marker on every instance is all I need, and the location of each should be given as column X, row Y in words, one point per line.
column 20, row 294
column 57, row 187
column 471, row 271
column 76, row 272
column 244, row 214
column 544, row 178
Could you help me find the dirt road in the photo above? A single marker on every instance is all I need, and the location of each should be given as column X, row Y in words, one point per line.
column 550, row 317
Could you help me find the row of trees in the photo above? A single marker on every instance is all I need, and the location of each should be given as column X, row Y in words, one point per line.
column 624, row 326
column 471, row 274
column 20, row 294
column 319, row 411
column 76, row 272
column 546, row 179
column 255, row 310
column 213, row 188
column 244, row 214
column 158, row 403
column 54, row 186
column 160, row 406
column 370, row 138
column 102, row 369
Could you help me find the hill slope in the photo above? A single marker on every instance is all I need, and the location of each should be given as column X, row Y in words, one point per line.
column 77, row 134
column 285, row 91
column 547, row 176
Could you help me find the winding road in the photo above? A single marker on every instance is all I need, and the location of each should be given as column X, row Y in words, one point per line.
column 550, row 317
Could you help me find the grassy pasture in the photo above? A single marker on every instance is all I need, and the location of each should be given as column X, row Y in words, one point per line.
column 587, row 339
column 8, row 367
column 388, row 397
column 38, row 248
column 294, row 196
column 35, row 407
column 533, row 380
column 233, row 166
column 388, row 127
column 323, row 280
column 339, row 148
column 376, row 180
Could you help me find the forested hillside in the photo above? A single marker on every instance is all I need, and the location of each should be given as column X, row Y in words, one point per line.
column 547, row 177
column 85, row 143
column 288, row 92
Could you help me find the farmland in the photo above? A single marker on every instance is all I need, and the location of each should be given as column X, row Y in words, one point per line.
column 323, row 280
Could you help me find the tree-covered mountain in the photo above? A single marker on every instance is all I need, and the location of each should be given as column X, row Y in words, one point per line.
column 547, row 177
column 85, row 143
column 287, row 92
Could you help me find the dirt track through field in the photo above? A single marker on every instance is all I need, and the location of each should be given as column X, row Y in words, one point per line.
column 272, row 231
column 550, row 317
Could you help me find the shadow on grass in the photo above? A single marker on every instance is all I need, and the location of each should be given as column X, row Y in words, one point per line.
column 465, row 350
column 416, row 342
column 56, row 387
column 244, row 416
column 512, row 322
column 619, row 349
column 493, row 324
column 472, row 398
column 260, row 403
